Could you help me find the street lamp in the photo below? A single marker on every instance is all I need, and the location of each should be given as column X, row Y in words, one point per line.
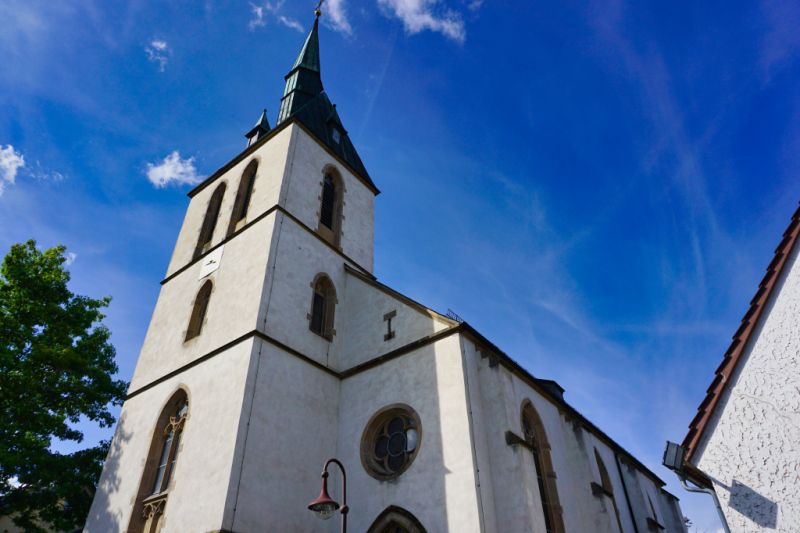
column 324, row 506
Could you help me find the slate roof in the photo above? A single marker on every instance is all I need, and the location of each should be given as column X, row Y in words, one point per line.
column 305, row 100
column 742, row 337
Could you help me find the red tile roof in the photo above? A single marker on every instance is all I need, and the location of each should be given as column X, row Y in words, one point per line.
column 733, row 356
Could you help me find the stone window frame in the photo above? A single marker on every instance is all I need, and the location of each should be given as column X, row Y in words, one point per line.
column 605, row 488
column 323, row 286
column 372, row 431
column 197, row 319
column 394, row 516
column 150, row 502
column 244, row 194
column 332, row 234
column 206, row 234
column 535, row 438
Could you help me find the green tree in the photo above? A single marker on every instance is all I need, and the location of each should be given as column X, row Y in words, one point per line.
column 56, row 366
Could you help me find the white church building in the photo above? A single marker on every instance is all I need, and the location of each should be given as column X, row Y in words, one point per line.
column 273, row 347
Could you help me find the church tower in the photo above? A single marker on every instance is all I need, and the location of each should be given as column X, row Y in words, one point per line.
column 272, row 348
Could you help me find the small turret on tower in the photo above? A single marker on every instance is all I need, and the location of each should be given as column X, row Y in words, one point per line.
column 259, row 130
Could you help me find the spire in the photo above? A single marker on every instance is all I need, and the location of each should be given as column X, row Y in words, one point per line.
column 304, row 101
column 260, row 129
column 309, row 54
column 303, row 82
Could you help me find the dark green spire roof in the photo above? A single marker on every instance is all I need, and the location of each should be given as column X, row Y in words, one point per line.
column 305, row 100
column 309, row 54
column 260, row 129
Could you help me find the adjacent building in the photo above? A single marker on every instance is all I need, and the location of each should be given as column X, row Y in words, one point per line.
column 273, row 347
column 744, row 442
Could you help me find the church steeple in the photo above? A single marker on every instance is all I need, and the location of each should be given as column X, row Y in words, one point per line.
column 305, row 101
column 303, row 82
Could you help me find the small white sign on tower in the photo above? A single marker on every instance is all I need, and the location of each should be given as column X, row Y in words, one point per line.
column 211, row 262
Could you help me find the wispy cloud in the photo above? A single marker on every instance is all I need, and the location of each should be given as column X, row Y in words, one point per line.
column 421, row 15
column 10, row 162
column 337, row 15
column 263, row 11
column 290, row 23
column 173, row 170
column 781, row 42
column 158, row 52
column 258, row 17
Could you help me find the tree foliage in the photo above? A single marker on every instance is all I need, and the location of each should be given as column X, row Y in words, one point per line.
column 56, row 366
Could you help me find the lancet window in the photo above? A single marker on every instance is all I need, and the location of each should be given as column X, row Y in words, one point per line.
column 330, row 211
column 243, row 194
column 323, row 307
column 536, row 438
column 199, row 310
column 210, row 221
column 156, row 482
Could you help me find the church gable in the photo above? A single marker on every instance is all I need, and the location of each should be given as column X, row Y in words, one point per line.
column 378, row 320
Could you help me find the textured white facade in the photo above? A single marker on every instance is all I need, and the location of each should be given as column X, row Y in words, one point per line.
column 270, row 400
column 751, row 450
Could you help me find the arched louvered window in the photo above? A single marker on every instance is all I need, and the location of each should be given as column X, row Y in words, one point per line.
column 395, row 519
column 199, row 311
column 330, row 211
column 243, row 195
column 323, row 307
column 607, row 487
column 209, row 222
column 154, row 487
column 536, row 438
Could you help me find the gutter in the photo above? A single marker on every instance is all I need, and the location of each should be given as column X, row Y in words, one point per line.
column 674, row 459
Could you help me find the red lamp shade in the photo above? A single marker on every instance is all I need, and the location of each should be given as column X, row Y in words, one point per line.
column 324, row 506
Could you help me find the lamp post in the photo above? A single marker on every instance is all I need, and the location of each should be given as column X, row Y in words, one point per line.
column 324, row 506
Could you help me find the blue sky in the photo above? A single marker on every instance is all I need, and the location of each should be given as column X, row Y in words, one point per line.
column 595, row 186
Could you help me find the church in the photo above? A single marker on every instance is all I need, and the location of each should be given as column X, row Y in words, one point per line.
column 276, row 364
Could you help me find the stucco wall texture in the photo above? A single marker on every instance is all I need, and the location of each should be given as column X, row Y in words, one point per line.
column 270, row 400
column 752, row 452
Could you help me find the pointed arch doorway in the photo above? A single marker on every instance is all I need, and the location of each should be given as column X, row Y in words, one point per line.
column 395, row 519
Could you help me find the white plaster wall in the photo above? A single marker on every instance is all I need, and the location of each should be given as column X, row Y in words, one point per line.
column 299, row 257
column 609, row 459
column 238, row 286
column 439, row 487
column 302, row 190
column 202, row 473
column 266, row 189
column 288, row 430
column 752, row 450
column 363, row 307
column 516, row 500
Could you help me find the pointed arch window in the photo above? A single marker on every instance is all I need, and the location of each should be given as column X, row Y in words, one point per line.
column 605, row 488
column 330, row 211
column 151, row 499
column 210, row 221
column 199, row 311
column 323, row 307
column 536, row 439
column 243, row 195
column 395, row 519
